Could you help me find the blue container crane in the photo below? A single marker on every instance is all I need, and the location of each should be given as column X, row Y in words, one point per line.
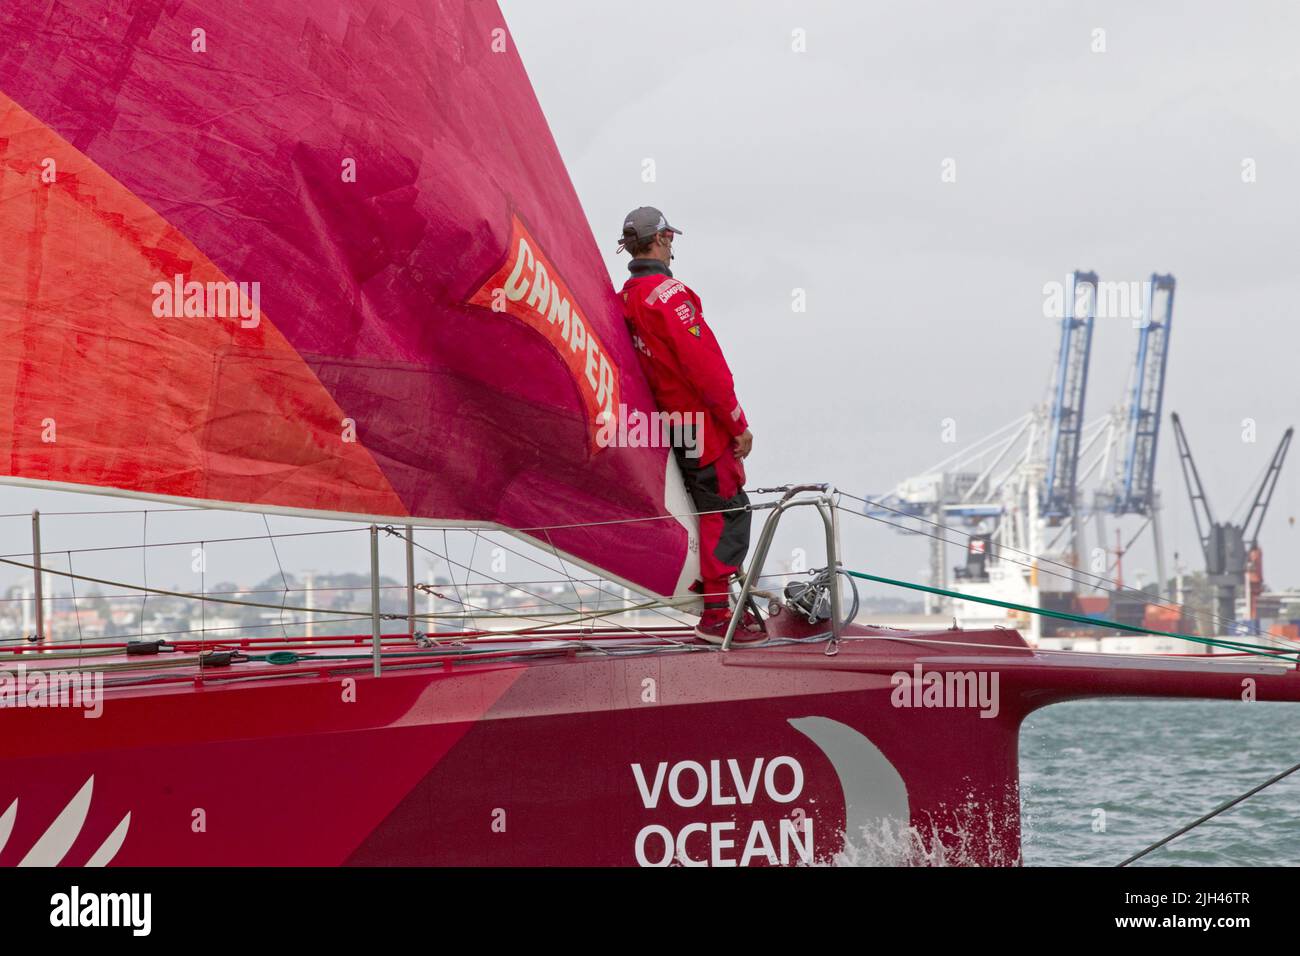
column 1066, row 425
column 1135, row 491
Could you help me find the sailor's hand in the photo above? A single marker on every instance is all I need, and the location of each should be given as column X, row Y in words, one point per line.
column 744, row 444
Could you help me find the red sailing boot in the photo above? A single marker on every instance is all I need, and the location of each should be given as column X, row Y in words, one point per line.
column 713, row 628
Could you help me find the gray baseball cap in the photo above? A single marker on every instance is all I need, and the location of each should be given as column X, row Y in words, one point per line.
column 642, row 223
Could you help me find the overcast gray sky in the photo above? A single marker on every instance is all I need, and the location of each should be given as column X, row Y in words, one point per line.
column 820, row 170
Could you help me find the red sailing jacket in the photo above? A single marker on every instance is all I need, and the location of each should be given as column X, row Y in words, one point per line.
column 682, row 359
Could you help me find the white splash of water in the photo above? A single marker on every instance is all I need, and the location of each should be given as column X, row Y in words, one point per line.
column 974, row 836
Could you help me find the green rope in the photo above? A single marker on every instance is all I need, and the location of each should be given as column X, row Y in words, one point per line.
column 289, row 657
column 1079, row 618
column 282, row 657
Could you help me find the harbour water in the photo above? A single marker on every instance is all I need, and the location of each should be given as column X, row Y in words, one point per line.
column 1100, row 780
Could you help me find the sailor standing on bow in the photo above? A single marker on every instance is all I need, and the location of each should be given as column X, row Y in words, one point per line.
column 690, row 377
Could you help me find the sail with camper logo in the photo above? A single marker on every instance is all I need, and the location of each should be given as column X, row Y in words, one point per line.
column 334, row 265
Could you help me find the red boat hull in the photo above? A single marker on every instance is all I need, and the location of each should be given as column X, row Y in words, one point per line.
column 776, row 755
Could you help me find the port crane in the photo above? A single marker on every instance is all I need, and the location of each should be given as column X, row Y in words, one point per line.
column 1004, row 487
column 1060, row 483
column 1017, row 492
column 1231, row 550
column 1129, row 487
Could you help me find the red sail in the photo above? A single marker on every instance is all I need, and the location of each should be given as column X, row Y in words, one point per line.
column 329, row 263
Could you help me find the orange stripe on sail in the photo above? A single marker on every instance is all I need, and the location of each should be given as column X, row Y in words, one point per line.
column 102, row 384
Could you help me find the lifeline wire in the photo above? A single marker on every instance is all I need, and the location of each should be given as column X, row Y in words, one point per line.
column 1213, row 813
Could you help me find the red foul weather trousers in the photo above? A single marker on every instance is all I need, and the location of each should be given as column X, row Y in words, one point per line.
column 717, row 490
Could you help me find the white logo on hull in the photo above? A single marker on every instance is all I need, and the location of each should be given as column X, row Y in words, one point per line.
column 689, row 784
column 874, row 792
column 57, row 840
column 874, row 796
